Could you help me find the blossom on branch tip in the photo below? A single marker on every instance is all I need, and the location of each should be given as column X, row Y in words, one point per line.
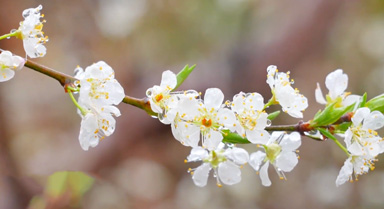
column 9, row 64
column 225, row 162
column 30, row 31
column 289, row 98
column 280, row 151
column 251, row 117
column 336, row 82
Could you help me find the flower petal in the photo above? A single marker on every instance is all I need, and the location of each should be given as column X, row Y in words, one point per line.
column 359, row 115
column 264, row 175
column 374, row 121
column 197, row 153
column 319, row 95
column 237, row 155
column 229, row 173
column 200, row 175
column 168, row 79
column 345, row 172
column 213, row 98
column 291, row 142
column 286, row 161
column 256, row 159
column 212, row 139
column 337, row 83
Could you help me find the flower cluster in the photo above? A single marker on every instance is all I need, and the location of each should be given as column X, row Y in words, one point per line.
column 30, row 31
column 207, row 121
column 363, row 143
column 9, row 64
column 99, row 91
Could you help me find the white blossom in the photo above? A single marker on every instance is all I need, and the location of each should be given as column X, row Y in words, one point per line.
column 9, row 64
column 97, row 124
column 165, row 102
column 289, row 98
column 361, row 138
column 206, row 118
column 355, row 165
column 30, row 31
column 98, row 85
column 336, row 82
column 99, row 91
column 251, row 116
column 363, row 144
column 280, row 151
column 225, row 163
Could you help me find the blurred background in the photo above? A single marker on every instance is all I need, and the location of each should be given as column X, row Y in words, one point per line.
column 232, row 42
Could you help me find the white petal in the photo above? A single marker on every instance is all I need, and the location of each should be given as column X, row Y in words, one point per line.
column 350, row 99
column 197, row 154
column 359, row 115
column 348, row 137
column 212, row 139
column 229, row 173
column 374, row 121
column 271, row 70
column 257, row 137
column 264, row 175
column 345, row 172
column 337, row 83
column 168, row 79
column 254, row 101
column 291, row 142
column 319, row 95
column 237, row 155
column 355, row 149
column 88, row 137
column 256, row 159
column 227, row 117
column 213, row 98
column 238, row 102
column 200, row 175
column 6, row 74
column 286, row 161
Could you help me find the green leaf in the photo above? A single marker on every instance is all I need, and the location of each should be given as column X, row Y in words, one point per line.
column 273, row 115
column 183, row 74
column 376, row 103
column 330, row 115
column 363, row 100
column 234, row 138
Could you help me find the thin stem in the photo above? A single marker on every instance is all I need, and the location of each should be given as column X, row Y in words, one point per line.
column 82, row 110
column 7, row 35
column 331, row 136
column 140, row 103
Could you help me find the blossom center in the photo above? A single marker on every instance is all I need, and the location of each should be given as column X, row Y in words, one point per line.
column 206, row 123
column 272, row 151
column 159, row 97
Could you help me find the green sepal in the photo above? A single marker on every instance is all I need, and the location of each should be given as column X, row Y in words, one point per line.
column 234, row 138
column 330, row 115
column 273, row 115
column 183, row 74
column 376, row 103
